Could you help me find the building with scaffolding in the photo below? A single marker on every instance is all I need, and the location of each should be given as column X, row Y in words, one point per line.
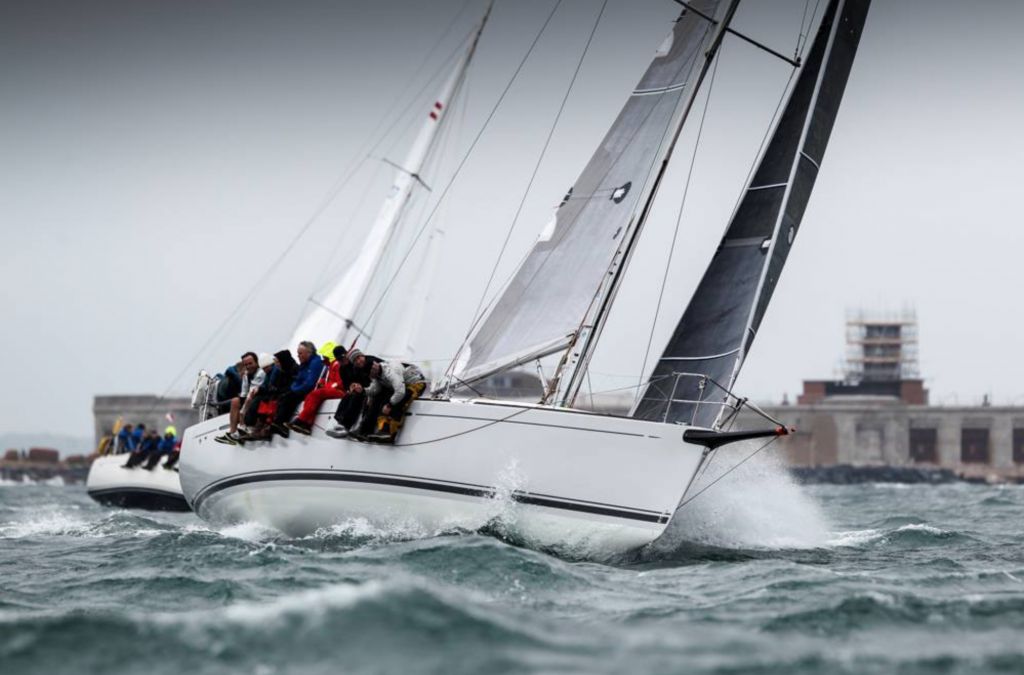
column 881, row 361
column 877, row 414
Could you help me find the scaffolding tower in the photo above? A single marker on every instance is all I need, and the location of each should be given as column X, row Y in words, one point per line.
column 881, row 346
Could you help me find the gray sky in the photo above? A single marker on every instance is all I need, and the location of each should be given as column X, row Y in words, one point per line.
column 156, row 157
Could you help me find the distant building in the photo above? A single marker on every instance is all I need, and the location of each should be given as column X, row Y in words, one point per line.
column 881, row 360
column 878, row 414
column 43, row 455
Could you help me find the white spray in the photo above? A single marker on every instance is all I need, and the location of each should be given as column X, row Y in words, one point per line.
column 756, row 506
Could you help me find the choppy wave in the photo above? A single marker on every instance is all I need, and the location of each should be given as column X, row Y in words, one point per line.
column 764, row 577
column 752, row 505
column 25, row 480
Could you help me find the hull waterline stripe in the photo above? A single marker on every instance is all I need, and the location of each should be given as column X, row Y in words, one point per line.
column 141, row 498
column 423, row 484
column 106, row 492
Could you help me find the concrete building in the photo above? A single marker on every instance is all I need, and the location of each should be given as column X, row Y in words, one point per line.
column 972, row 441
column 141, row 408
column 878, row 414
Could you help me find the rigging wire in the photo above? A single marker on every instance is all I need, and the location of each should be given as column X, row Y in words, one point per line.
column 413, row 210
column 331, row 194
column 726, row 473
column 457, row 434
column 798, row 53
column 805, row 29
column 413, row 104
column 768, row 132
column 561, row 232
column 679, row 213
column 365, row 155
column 540, row 160
column 469, row 152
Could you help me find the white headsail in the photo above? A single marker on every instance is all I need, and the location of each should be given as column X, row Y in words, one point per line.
column 551, row 302
column 336, row 317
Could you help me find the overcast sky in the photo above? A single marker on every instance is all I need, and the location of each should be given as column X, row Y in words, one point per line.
column 156, row 157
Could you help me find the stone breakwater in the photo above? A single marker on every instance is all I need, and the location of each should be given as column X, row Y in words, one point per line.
column 848, row 474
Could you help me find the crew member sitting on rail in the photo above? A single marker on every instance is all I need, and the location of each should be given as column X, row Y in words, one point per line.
column 278, row 383
column 230, row 385
column 125, row 443
column 253, row 377
column 172, row 459
column 138, row 435
column 330, row 386
column 146, row 447
column 303, row 382
column 394, row 386
column 357, row 376
column 164, row 448
column 259, row 390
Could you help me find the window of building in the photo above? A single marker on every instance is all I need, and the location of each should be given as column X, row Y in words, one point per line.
column 1018, row 446
column 924, row 445
column 974, row 446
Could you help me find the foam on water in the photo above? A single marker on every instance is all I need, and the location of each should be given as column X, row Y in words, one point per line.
column 53, row 481
column 907, row 567
column 51, row 522
column 503, row 511
column 853, row 538
column 308, row 604
column 757, row 505
column 252, row 532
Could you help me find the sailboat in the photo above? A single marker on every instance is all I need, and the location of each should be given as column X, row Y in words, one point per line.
column 570, row 477
column 111, row 484
column 157, row 489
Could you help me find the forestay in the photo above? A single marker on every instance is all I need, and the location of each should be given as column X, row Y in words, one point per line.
column 542, row 307
column 724, row 314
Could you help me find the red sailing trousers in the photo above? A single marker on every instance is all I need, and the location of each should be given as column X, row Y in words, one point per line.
column 314, row 399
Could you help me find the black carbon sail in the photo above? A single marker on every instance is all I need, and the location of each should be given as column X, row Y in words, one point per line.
column 722, row 318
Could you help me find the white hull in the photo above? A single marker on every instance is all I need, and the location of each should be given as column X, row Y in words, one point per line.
column 111, row 484
column 557, row 478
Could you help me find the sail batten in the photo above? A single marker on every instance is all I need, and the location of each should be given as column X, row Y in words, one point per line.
column 567, row 272
column 725, row 312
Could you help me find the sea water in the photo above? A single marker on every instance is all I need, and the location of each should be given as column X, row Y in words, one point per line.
column 759, row 576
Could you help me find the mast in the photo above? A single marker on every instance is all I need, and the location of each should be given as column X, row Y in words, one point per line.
column 336, row 318
column 721, row 320
column 576, row 362
column 565, row 277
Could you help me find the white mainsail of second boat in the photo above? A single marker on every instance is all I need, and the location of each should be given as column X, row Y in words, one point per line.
column 336, row 318
column 574, row 478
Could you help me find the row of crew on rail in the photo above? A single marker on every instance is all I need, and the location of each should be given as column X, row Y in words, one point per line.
column 145, row 448
column 266, row 394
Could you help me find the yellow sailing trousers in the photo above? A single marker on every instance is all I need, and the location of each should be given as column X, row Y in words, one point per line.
column 392, row 423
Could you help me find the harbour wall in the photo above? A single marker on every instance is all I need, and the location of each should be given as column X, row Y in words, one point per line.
column 974, row 442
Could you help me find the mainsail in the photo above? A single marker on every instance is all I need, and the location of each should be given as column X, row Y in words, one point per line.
column 336, row 317
column 542, row 309
column 719, row 324
column 398, row 343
